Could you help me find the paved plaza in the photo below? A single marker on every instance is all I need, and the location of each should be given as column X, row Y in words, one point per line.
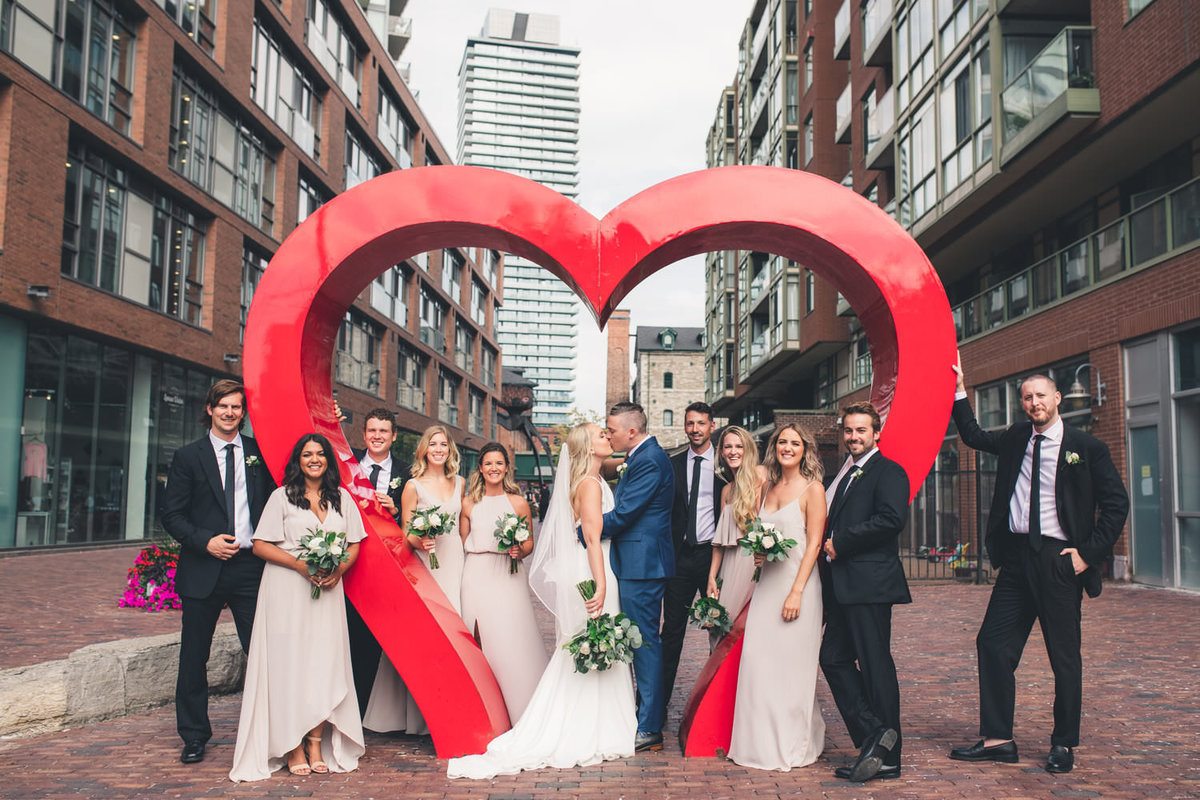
column 1141, row 726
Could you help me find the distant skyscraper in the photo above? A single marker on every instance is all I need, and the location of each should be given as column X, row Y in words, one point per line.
column 518, row 110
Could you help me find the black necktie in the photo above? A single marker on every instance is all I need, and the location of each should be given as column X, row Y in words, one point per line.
column 844, row 485
column 375, row 470
column 1035, row 495
column 230, row 480
column 693, row 502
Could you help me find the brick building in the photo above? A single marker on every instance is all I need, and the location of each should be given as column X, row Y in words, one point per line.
column 1046, row 156
column 153, row 155
column 670, row 376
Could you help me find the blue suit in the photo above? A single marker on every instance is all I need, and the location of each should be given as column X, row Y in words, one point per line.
column 642, row 559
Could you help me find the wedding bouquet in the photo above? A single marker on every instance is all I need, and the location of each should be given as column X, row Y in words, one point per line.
column 323, row 551
column 511, row 530
column 763, row 537
column 606, row 639
column 429, row 523
column 708, row 614
column 151, row 580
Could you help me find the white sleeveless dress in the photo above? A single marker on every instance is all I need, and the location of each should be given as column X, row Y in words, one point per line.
column 572, row 719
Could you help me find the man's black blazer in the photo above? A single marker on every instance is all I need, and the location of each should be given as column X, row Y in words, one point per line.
column 193, row 509
column 1091, row 499
column 400, row 469
column 865, row 524
column 679, row 509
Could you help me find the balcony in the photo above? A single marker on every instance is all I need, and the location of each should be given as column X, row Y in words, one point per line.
column 756, row 106
column 475, row 423
column 843, row 108
column 358, row 374
column 841, row 32
column 465, row 361
column 1156, row 230
column 843, row 307
column 447, row 413
column 433, row 338
column 1057, row 86
column 410, row 397
column 881, row 130
column 399, row 32
column 877, row 33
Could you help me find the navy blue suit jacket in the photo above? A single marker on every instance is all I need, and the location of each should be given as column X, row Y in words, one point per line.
column 640, row 522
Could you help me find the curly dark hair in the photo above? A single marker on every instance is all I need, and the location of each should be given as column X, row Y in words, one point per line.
column 331, row 481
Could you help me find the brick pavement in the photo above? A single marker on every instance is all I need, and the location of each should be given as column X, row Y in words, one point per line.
column 1141, row 730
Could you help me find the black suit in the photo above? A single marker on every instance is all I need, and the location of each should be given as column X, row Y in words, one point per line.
column 1092, row 505
column 193, row 512
column 860, row 587
column 692, row 565
column 364, row 648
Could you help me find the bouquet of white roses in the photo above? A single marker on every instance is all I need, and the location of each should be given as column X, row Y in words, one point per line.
column 511, row 531
column 763, row 537
column 429, row 523
column 323, row 551
column 605, row 641
column 707, row 613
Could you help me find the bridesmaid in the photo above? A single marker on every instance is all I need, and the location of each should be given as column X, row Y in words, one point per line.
column 739, row 506
column 435, row 482
column 298, row 678
column 777, row 723
column 496, row 604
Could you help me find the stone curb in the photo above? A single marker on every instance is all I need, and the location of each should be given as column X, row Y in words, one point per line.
column 107, row 680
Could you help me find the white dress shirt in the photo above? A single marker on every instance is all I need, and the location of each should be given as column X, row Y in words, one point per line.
column 706, row 524
column 1018, row 506
column 243, row 531
column 385, row 471
column 851, row 463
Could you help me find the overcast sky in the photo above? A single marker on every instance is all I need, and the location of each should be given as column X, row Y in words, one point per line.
column 652, row 72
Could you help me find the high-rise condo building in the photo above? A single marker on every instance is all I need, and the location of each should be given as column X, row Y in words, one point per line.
column 518, row 110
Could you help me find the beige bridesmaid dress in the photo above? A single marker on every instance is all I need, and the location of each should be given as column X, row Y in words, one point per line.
column 737, row 569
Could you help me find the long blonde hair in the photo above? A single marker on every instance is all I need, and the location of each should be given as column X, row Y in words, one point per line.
column 745, row 478
column 810, row 463
column 453, row 459
column 579, row 445
column 479, row 485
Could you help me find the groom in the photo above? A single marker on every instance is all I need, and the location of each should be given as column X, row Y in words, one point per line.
column 642, row 557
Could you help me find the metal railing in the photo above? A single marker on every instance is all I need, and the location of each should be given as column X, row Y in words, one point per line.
column 1170, row 223
column 841, row 26
column 842, row 108
column 410, row 397
column 876, row 16
column 1064, row 63
column 433, row 337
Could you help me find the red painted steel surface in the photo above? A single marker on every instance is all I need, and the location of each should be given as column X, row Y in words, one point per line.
column 335, row 254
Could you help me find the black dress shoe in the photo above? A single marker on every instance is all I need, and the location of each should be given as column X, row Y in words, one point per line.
column 885, row 772
column 192, row 752
column 870, row 758
column 1005, row 753
column 1060, row 760
column 647, row 741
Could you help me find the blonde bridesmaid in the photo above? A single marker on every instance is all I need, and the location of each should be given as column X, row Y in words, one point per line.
column 738, row 455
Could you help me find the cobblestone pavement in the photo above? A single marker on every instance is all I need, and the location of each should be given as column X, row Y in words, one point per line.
column 1141, row 729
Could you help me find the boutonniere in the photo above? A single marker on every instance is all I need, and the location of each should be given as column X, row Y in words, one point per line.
column 621, row 470
column 858, row 473
column 1073, row 458
column 394, row 483
column 253, row 461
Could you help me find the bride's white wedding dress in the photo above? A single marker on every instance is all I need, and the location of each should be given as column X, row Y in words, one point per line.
column 572, row 719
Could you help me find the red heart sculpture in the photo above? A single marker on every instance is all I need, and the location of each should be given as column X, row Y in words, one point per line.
column 328, row 260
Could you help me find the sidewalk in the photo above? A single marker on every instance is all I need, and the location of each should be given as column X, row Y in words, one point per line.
column 1141, row 729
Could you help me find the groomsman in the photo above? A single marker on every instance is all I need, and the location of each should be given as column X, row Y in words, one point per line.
column 864, row 579
column 216, row 490
column 640, row 528
column 1058, row 508
column 388, row 475
column 694, row 515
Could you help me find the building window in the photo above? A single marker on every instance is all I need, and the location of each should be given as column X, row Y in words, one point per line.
column 389, row 295
column 668, row 380
column 479, row 296
column 464, row 347
column 914, row 51
column 491, row 267
column 808, row 68
column 254, row 263
column 965, row 109
column 91, row 60
column 410, row 378
column 286, row 93
column 433, row 321
column 361, row 164
column 394, row 128
column 810, row 291
column 1135, row 6
column 328, row 40
column 447, row 398
column 668, row 418
column 488, row 367
column 475, row 413
column 218, row 153
column 808, row 139
column 123, row 236
column 918, row 166
column 196, row 19
column 311, row 197
column 452, row 269
column 358, row 344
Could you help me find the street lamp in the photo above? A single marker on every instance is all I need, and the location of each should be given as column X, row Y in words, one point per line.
column 517, row 401
column 1078, row 397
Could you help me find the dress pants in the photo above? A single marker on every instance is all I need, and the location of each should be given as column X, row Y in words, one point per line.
column 641, row 601
column 364, row 655
column 867, row 693
column 237, row 587
column 691, row 578
column 1031, row 585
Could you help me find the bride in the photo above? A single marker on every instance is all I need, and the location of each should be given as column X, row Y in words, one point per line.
column 572, row 719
